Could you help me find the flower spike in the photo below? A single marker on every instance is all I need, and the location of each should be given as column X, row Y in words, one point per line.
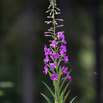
column 55, row 54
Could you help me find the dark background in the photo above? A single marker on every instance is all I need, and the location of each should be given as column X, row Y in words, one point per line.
column 22, row 42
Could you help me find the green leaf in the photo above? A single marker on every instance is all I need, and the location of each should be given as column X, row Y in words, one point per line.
column 64, row 90
column 66, row 96
column 73, row 99
column 50, row 67
column 59, row 61
column 46, row 97
column 66, row 87
column 52, row 50
column 49, row 73
column 60, row 69
column 60, row 73
column 56, row 101
column 50, row 90
column 61, row 99
column 52, row 58
column 70, row 70
column 57, row 48
column 65, row 80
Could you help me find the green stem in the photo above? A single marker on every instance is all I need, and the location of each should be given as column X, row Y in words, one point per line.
column 56, row 89
column 54, row 31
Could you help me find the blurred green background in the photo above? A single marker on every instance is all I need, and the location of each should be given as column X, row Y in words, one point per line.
column 22, row 42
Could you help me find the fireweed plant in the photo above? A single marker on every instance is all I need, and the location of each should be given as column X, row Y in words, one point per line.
column 55, row 54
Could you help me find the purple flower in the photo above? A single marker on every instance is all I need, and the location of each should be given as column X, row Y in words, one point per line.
column 60, row 35
column 54, row 77
column 45, row 48
column 53, row 65
column 63, row 41
column 48, row 51
column 46, row 69
column 64, row 70
column 68, row 78
column 55, row 55
column 66, row 58
column 46, row 59
column 62, row 49
column 53, row 43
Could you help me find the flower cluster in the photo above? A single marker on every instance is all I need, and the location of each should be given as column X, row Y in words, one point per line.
column 54, row 55
column 57, row 49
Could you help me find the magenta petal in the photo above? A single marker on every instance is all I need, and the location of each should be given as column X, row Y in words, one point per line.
column 53, row 43
column 46, row 59
column 68, row 78
column 64, row 70
column 45, row 48
column 46, row 69
column 54, row 77
column 62, row 49
column 60, row 35
column 53, row 65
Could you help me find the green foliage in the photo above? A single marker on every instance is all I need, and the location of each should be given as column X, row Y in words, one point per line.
column 59, row 61
column 46, row 98
column 73, row 99
column 63, row 82
column 65, row 97
column 79, row 29
column 50, row 90
column 64, row 90
column 50, row 68
column 60, row 74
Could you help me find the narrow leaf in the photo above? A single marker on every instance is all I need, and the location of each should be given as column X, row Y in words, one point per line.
column 70, row 71
column 66, row 96
column 64, row 90
column 56, row 88
column 65, row 80
column 59, row 61
column 57, row 49
column 60, row 74
column 61, row 100
column 73, row 99
column 49, row 73
column 52, row 58
column 52, row 50
column 50, row 67
column 50, row 90
column 46, row 97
